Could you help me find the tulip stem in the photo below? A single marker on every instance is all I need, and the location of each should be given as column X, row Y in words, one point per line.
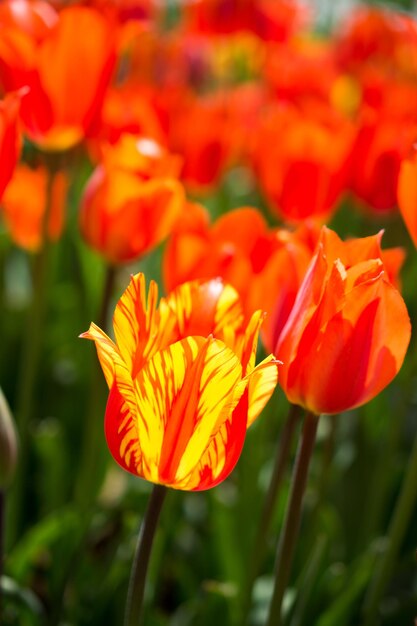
column 398, row 526
column 29, row 365
column 134, row 602
column 289, row 534
column 280, row 464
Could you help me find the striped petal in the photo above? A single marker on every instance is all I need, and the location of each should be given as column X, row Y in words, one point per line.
column 205, row 308
column 137, row 323
column 121, row 433
column 262, row 382
column 223, row 451
column 184, row 394
column 107, row 351
column 247, row 343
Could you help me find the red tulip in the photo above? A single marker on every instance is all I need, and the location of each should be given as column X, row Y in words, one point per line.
column 300, row 177
column 348, row 332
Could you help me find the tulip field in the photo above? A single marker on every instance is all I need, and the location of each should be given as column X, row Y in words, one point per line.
column 208, row 288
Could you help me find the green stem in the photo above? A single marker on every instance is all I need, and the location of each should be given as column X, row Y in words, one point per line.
column 290, row 530
column 29, row 367
column 92, row 443
column 280, row 464
column 398, row 526
column 134, row 602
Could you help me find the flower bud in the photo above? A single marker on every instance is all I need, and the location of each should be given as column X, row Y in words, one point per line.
column 8, row 444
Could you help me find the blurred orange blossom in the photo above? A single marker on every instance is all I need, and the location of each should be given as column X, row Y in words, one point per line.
column 131, row 200
column 66, row 60
column 24, row 206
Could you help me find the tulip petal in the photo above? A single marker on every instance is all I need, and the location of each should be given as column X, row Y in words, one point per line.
column 262, row 382
column 137, row 323
column 199, row 306
column 246, row 347
column 107, row 351
column 184, row 394
column 121, row 432
column 226, row 447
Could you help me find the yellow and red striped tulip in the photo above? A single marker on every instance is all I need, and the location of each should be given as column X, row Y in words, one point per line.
column 183, row 382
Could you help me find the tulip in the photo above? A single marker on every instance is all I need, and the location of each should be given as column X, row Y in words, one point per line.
column 24, row 206
column 300, row 177
column 183, row 382
column 378, row 37
column 131, row 200
column 348, row 331
column 382, row 143
column 66, row 60
column 201, row 133
column 234, row 248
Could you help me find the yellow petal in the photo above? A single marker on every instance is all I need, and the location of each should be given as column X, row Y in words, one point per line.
column 248, row 342
column 107, row 351
column 221, row 389
column 262, row 382
column 183, row 394
column 137, row 323
column 204, row 308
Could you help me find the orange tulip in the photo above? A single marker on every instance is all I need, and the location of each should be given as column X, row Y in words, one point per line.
column 304, row 70
column 9, row 138
column 383, row 141
column 66, row 65
column 407, row 194
column 348, row 331
column 183, row 382
column 300, row 177
column 24, row 205
column 376, row 36
column 200, row 131
column 229, row 248
column 131, row 200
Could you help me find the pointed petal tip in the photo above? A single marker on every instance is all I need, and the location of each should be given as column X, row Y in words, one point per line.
column 87, row 333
